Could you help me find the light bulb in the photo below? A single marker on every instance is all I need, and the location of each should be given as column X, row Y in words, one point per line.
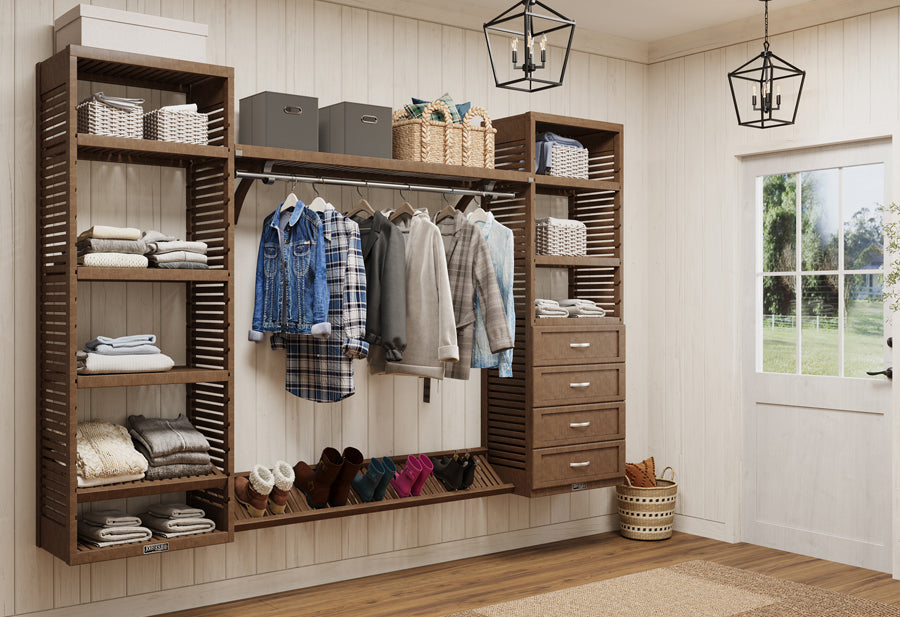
column 544, row 43
column 515, row 44
column 530, row 42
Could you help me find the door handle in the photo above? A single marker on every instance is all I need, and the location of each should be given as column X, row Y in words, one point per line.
column 583, row 384
column 582, row 464
column 579, row 424
column 888, row 372
column 576, row 345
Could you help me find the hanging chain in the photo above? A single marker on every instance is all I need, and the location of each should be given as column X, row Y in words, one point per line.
column 766, row 43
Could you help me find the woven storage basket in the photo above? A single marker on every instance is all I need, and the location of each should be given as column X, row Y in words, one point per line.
column 560, row 237
column 646, row 513
column 98, row 118
column 424, row 139
column 187, row 127
column 478, row 141
column 568, row 162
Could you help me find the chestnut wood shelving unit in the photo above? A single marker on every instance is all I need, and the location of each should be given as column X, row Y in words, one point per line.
column 209, row 378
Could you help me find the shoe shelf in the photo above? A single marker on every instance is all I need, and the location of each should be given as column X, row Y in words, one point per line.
column 152, row 275
column 486, row 483
column 140, row 488
column 177, row 375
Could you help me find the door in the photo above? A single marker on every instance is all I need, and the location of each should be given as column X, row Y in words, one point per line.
column 817, row 464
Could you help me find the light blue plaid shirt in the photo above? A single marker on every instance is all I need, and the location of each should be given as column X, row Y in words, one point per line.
column 500, row 244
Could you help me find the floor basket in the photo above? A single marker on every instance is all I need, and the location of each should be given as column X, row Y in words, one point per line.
column 646, row 513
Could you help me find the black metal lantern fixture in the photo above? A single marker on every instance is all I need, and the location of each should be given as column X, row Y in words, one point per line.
column 522, row 27
column 766, row 90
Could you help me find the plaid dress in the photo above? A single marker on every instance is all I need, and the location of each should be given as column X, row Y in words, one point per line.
column 321, row 370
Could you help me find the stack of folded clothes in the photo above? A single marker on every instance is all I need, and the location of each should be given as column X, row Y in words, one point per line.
column 171, row 520
column 105, row 455
column 125, row 354
column 169, row 252
column 582, row 308
column 543, row 149
column 172, row 446
column 111, row 527
column 111, row 247
column 549, row 308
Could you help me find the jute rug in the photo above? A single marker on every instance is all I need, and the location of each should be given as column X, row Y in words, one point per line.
column 690, row 589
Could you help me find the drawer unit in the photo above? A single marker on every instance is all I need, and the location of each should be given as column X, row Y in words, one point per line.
column 575, row 424
column 570, row 385
column 577, row 464
column 557, row 345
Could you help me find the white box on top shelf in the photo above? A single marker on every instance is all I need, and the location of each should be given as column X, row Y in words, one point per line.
column 97, row 26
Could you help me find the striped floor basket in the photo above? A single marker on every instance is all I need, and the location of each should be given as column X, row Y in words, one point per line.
column 647, row 513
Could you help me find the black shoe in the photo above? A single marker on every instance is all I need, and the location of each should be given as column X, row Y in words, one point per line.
column 449, row 471
column 468, row 476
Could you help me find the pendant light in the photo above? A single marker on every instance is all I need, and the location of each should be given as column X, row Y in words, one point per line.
column 766, row 90
column 521, row 28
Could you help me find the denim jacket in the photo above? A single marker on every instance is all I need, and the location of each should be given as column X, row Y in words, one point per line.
column 291, row 289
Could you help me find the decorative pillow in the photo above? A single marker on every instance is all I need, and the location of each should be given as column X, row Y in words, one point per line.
column 415, row 110
column 641, row 474
column 461, row 108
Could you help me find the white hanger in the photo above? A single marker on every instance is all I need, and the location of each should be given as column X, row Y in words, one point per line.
column 291, row 200
column 478, row 215
column 318, row 204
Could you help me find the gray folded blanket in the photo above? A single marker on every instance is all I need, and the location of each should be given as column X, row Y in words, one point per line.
column 134, row 340
column 110, row 518
column 109, row 536
column 107, row 245
column 175, row 510
column 181, row 265
column 163, row 526
column 162, row 436
column 177, row 471
column 178, row 458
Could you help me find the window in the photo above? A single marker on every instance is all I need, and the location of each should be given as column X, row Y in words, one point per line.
column 820, row 265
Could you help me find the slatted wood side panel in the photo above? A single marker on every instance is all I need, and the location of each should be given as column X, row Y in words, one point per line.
column 603, row 164
column 601, row 215
column 207, row 216
column 208, row 409
column 602, row 285
column 510, row 150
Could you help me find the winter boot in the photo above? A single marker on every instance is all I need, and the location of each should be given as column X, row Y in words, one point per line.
column 365, row 484
column 449, row 471
column 316, row 482
column 404, row 481
column 284, row 480
column 471, row 464
column 254, row 491
column 427, row 468
column 340, row 490
column 390, row 471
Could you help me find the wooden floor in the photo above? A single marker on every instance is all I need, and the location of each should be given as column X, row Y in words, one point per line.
column 440, row 589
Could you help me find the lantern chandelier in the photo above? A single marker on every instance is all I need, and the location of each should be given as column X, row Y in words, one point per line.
column 766, row 90
column 522, row 27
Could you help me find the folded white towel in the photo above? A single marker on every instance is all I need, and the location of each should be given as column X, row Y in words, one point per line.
column 177, row 245
column 577, row 302
column 111, row 233
column 112, row 260
column 110, row 536
column 585, row 311
column 186, row 107
column 94, row 363
column 110, row 518
column 177, row 525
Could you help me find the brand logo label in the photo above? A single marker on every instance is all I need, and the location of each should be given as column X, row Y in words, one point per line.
column 579, row 487
column 162, row 547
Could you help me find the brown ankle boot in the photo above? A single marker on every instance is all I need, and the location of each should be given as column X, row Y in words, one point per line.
column 284, row 481
column 316, row 482
column 254, row 491
column 340, row 490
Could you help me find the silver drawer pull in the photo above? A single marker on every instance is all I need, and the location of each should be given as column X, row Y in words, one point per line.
column 581, row 464
column 583, row 384
column 579, row 424
column 577, row 345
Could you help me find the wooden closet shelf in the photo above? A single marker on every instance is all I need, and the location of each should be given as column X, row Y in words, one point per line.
column 179, row 374
column 543, row 182
column 158, row 275
column 87, row 553
column 577, row 321
column 486, row 483
column 576, row 261
column 144, row 151
column 140, row 488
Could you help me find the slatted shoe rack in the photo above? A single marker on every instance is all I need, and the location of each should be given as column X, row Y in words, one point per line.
column 209, row 375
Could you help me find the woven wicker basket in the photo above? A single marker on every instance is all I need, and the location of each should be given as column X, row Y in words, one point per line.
column 478, row 141
column 173, row 125
column 560, row 237
column 423, row 139
column 98, row 118
column 568, row 162
column 647, row 513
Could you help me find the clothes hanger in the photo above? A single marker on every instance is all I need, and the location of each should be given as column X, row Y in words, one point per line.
column 448, row 210
column 362, row 207
column 405, row 209
column 291, row 200
column 318, row 204
column 478, row 215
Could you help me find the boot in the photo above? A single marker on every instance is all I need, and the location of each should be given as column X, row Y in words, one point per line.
column 390, row 472
column 284, row 480
column 365, row 484
column 340, row 490
column 427, row 468
column 316, row 482
column 468, row 472
column 404, row 481
column 254, row 491
column 449, row 471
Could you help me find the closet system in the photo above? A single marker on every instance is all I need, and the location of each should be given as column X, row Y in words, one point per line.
column 555, row 426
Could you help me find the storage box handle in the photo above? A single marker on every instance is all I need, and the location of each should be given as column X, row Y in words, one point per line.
column 369, row 119
column 293, row 110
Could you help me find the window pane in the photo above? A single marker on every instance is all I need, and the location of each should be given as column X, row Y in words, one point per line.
column 779, row 324
column 819, row 336
column 864, row 327
column 863, row 192
column 779, row 223
column 819, row 223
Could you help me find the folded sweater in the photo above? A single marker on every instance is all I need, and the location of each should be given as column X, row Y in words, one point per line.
column 177, row 245
column 162, row 436
column 177, row 471
column 177, row 458
column 132, row 340
column 95, row 364
column 171, row 256
column 104, row 450
column 112, row 260
column 128, row 477
column 182, row 265
column 108, row 245
column 113, row 233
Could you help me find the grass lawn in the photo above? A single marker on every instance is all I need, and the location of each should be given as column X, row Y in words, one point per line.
column 863, row 345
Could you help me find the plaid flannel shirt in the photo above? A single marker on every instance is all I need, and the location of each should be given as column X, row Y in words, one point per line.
column 321, row 370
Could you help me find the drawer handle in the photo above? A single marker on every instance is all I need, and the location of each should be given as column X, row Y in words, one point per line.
column 367, row 119
column 577, row 345
column 583, row 384
column 293, row 110
column 579, row 424
column 581, row 464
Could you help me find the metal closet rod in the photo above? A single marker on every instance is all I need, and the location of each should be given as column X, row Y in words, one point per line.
column 375, row 185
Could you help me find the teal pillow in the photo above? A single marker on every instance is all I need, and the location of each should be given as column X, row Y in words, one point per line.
column 461, row 109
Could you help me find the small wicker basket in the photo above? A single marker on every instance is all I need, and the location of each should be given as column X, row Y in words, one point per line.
column 99, row 118
column 568, row 162
column 424, row 139
column 560, row 237
column 647, row 513
column 478, row 141
column 188, row 127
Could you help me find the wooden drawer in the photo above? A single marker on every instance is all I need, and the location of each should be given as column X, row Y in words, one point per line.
column 574, row 464
column 571, row 385
column 578, row 424
column 555, row 345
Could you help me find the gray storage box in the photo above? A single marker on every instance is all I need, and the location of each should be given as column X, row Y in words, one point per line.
column 355, row 128
column 280, row 121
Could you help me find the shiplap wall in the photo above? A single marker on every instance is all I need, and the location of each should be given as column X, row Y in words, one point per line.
column 335, row 53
